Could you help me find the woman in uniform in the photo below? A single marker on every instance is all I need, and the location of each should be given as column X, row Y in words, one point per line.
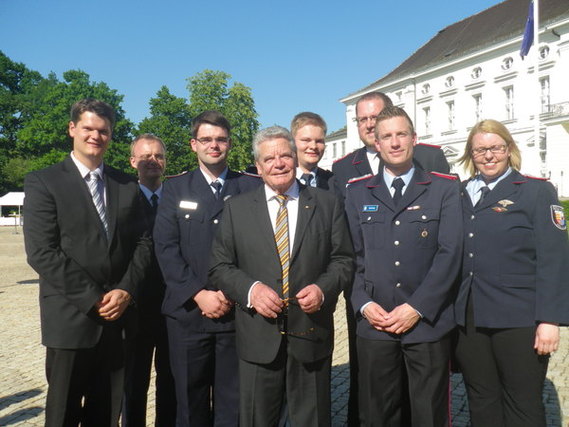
column 514, row 292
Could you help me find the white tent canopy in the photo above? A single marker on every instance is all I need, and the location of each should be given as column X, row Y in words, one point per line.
column 15, row 198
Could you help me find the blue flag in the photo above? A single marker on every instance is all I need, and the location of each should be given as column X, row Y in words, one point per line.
column 528, row 33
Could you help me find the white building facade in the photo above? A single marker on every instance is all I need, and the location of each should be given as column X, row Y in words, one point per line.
column 472, row 70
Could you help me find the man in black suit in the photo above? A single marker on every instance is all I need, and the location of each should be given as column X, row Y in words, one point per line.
column 408, row 242
column 83, row 236
column 199, row 318
column 309, row 133
column 365, row 161
column 283, row 254
column 148, row 157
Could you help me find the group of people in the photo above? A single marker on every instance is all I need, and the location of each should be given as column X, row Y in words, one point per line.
column 230, row 280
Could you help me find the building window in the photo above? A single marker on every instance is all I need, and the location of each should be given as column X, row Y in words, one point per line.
column 334, row 151
column 544, row 92
column 507, row 63
column 427, row 119
column 509, row 99
column 476, row 73
column 449, row 82
column 543, row 52
column 426, row 89
column 450, row 115
column 477, row 106
column 343, row 148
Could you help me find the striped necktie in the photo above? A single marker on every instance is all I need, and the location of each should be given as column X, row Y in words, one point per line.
column 96, row 194
column 281, row 239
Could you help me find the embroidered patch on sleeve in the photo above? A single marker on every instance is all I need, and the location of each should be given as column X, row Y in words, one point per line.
column 558, row 217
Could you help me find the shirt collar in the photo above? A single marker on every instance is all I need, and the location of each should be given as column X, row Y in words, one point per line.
column 406, row 177
column 84, row 170
column 292, row 192
column 221, row 178
column 148, row 193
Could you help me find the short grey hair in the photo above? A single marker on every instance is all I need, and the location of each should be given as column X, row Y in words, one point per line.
column 148, row 136
column 269, row 133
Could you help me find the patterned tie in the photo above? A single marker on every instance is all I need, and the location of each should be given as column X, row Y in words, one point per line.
column 398, row 184
column 95, row 190
column 217, row 186
column 483, row 193
column 281, row 239
column 307, row 179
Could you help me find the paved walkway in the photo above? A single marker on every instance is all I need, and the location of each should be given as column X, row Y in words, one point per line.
column 22, row 379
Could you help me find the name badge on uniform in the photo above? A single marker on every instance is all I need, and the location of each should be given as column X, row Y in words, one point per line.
column 184, row 204
column 370, row 208
column 558, row 217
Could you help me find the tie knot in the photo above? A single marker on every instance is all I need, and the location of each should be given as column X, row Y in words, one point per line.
column 93, row 176
column 216, row 185
column 281, row 198
column 306, row 178
column 484, row 190
column 398, row 184
column 154, row 198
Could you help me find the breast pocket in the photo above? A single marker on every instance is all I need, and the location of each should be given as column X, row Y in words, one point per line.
column 372, row 224
column 425, row 225
column 189, row 219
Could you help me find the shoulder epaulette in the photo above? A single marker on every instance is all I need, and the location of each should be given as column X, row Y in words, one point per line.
column 429, row 145
column 343, row 157
column 251, row 174
column 536, row 177
column 360, row 178
column 174, row 176
column 444, row 175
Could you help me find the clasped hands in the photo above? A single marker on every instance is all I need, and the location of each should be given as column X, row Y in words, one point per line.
column 213, row 304
column 112, row 305
column 269, row 304
column 397, row 321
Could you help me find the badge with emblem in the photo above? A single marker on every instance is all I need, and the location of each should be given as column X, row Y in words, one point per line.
column 370, row 208
column 558, row 217
column 505, row 203
column 499, row 209
column 414, row 208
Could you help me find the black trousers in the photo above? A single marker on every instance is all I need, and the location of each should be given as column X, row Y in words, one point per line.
column 381, row 364
column 305, row 387
column 150, row 339
column 95, row 375
column 503, row 375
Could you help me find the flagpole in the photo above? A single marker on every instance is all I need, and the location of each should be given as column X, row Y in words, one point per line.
column 537, row 111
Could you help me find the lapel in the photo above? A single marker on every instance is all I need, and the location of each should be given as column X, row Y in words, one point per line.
column 502, row 190
column 416, row 187
column 112, row 191
column 361, row 163
column 379, row 190
column 262, row 220
column 306, row 209
column 201, row 193
column 322, row 178
column 466, row 200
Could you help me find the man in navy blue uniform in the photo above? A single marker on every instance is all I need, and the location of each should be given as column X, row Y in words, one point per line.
column 407, row 235
column 199, row 318
column 309, row 133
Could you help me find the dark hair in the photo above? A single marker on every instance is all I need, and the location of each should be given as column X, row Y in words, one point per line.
column 100, row 108
column 387, row 102
column 210, row 117
column 307, row 118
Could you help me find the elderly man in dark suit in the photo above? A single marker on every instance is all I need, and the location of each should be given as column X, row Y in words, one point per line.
column 149, row 337
column 199, row 317
column 283, row 254
column 408, row 242
column 83, row 236
column 309, row 133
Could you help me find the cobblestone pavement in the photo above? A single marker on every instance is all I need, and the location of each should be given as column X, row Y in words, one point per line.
column 22, row 379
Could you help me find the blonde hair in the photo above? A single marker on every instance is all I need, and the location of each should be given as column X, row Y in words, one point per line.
column 495, row 127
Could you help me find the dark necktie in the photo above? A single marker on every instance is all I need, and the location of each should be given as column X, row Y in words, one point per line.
column 398, row 184
column 483, row 193
column 154, row 203
column 217, row 186
column 307, row 178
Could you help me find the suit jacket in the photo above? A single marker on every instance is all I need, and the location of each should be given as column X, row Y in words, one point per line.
column 188, row 216
column 66, row 245
column 409, row 253
column 324, row 179
column 428, row 157
column 244, row 251
column 516, row 259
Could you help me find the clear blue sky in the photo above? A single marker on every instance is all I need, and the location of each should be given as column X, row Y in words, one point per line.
column 294, row 55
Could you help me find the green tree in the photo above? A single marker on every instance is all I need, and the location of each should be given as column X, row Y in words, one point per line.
column 209, row 90
column 170, row 120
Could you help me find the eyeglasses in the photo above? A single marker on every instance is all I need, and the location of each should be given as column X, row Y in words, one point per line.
column 282, row 319
column 208, row 140
column 363, row 120
column 495, row 149
column 146, row 157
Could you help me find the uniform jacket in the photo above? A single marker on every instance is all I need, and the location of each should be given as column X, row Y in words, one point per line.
column 406, row 254
column 187, row 218
column 356, row 164
column 66, row 245
column 244, row 251
column 324, row 179
column 516, row 259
